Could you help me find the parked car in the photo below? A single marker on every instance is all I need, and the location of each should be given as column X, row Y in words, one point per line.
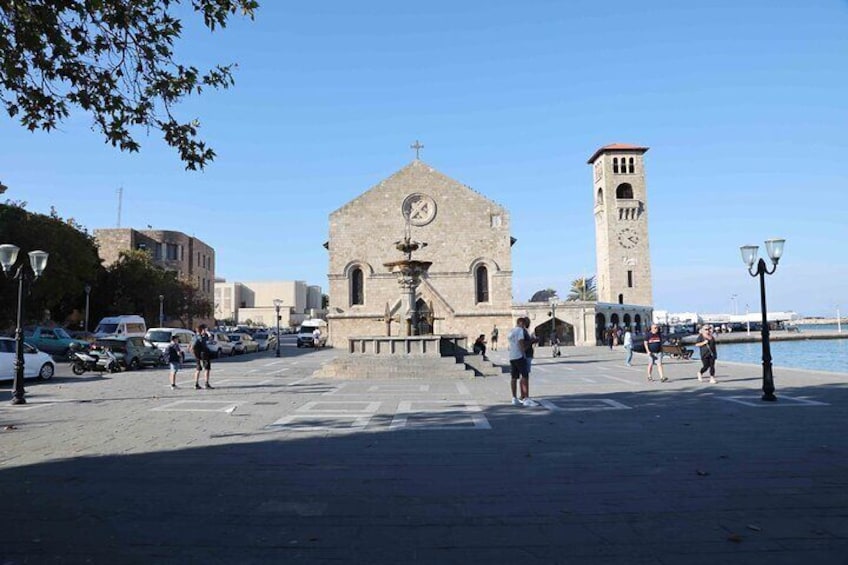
column 161, row 338
column 133, row 352
column 221, row 345
column 37, row 364
column 265, row 340
column 245, row 343
column 83, row 335
column 55, row 341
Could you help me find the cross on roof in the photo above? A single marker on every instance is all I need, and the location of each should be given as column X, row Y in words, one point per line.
column 418, row 147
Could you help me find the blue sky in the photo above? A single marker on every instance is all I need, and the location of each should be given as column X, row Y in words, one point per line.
column 743, row 105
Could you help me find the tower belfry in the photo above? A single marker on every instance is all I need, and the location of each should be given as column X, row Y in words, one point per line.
column 621, row 225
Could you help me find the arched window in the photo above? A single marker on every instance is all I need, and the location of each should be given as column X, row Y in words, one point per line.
column 615, row 164
column 631, row 165
column 624, row 190
column 600, row 198
column 621, row 299
column 357, row 287
column 481, row 284
column 614, row 320
column 627, row 320
column 637, row 320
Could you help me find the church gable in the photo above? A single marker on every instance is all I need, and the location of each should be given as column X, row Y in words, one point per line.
column 457, row 223
column 415, row 172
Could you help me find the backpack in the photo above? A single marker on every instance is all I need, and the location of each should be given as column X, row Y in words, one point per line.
column 528, row 344
column 198, row 345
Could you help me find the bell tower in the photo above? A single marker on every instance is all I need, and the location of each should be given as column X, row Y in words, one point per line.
column 621, row 225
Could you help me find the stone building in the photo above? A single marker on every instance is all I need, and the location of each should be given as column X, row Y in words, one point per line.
column 624, row 283
column 254, row 301
column 192, row 259
column 468, row 289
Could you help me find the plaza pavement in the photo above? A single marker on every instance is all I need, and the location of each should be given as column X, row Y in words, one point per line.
column 274, row 466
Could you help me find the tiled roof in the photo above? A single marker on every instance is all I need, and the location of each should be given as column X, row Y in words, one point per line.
column 616, row 147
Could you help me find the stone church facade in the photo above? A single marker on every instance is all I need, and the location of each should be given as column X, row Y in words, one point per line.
column 468, row 289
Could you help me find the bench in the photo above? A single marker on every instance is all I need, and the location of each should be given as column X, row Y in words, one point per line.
column 676, row 351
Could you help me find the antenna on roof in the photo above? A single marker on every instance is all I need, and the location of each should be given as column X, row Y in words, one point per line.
column 120, row 201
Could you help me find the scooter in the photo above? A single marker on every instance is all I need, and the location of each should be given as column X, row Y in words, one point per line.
column 96, row 360
column 555, row 352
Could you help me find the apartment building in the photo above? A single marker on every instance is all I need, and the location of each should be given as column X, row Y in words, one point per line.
column 191, row 258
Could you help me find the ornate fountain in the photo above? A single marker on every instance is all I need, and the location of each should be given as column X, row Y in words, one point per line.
column 409, row 272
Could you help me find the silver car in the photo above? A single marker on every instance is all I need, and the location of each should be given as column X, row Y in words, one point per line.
column 220, row 345
column 266, row 340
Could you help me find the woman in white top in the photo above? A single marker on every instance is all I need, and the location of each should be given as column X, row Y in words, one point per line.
column 628, row 346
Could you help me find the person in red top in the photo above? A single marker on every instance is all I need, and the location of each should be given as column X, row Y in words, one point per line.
column 653, row 347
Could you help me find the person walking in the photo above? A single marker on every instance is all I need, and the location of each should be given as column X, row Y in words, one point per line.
column 653, row 347
column 201, row 352
column 175, row 358
column 709, row 354
column 494, row 338
column 628, row 346
column 518, row 366
column 610, row 337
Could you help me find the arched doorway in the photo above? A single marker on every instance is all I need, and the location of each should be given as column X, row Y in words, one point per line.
column 425, row 318
column 637, row 321
column 600, row 328
column 614, row 320
column 564, row 331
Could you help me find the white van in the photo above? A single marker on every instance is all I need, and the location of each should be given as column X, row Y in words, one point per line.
column 161, row 338
column 120, row 326
column 305, row 333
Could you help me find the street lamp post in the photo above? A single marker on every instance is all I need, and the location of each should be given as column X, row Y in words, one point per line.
column 747, row 320
column 774, row 248
column 161, row 311
column 838, row 320
column 87, row 295
column 553, row 301
column 277, row 304
column 37, row 262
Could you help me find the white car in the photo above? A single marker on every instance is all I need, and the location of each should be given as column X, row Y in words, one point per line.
column 221, row 345
column 37, row 364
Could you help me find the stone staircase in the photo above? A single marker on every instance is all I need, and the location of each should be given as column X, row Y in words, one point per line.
column 482, row 368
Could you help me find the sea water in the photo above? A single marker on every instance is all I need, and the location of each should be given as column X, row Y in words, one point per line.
column 813, row 354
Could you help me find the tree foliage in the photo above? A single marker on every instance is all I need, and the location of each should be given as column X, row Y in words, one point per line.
column 113, row 59
column 73, row 263
column 543, row 295
column 131, row 285
column 583, row 289
column 135, row 283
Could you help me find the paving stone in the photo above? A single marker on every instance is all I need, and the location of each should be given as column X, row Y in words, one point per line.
column 95, row 471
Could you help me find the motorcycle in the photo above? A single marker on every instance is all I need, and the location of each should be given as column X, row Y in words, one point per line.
column 96, row 360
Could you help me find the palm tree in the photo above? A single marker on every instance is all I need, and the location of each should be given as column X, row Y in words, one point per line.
column 583, row 289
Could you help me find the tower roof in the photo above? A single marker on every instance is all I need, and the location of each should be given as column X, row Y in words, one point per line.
column 615, row 147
